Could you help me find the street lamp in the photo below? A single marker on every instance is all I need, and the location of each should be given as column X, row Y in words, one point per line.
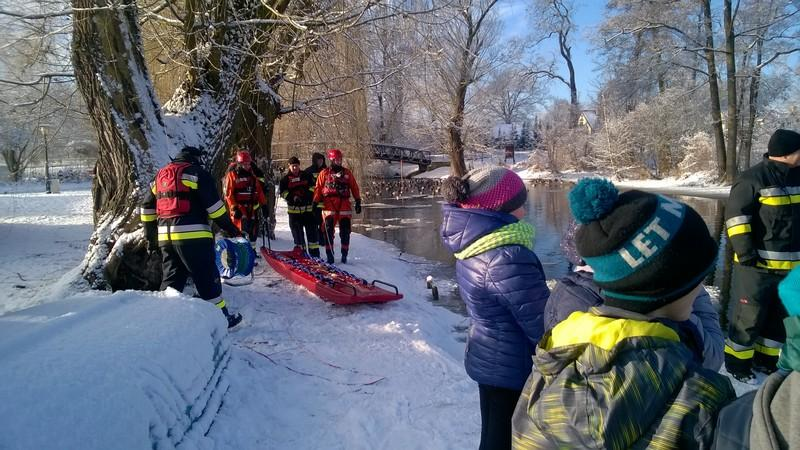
column 43, row 129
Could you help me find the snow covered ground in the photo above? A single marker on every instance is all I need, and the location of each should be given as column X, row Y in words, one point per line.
column 101, row 370
column 157, row 370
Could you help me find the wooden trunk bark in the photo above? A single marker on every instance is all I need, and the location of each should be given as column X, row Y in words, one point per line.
column 716, row 112
column 110, row 76
column 731, row 168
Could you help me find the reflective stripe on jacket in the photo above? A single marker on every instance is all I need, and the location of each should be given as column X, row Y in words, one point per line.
column 763, row 216
column 205, row 205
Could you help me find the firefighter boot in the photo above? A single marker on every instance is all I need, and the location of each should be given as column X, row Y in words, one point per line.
column 329, row 254
column 765, row 363
column 233, row 319
column 344, row 256
column 740, row 369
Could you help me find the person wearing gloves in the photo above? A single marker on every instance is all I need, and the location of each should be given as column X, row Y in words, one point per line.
column 577, row 292
column 335, row 185
column 503, row 285
column 176, row 213
column 762, row 219
column 767, row 419
column 628, row 373
column 297, row 188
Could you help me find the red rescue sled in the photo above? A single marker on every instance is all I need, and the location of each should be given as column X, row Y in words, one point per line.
column 327, row 281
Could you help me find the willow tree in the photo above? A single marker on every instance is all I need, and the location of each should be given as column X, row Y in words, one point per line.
column 136, row 133
column 235, row 53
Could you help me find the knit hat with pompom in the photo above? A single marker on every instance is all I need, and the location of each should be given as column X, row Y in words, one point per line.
column 493, row 188
column 646, row 250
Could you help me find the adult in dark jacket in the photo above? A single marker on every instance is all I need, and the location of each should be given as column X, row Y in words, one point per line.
column 175, row 214
column 317, row 165
column 763, row 225
column 297, row 188
column 768, row 418
column 578, row 292
column 503, row 285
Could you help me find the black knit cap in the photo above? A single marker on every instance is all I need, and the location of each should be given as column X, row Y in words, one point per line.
column 646, row 250
column 783, row 142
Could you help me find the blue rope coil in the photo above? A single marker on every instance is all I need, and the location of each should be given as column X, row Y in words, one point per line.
column 235, row 257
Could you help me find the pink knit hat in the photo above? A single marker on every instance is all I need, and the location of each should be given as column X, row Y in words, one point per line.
column 494, row 188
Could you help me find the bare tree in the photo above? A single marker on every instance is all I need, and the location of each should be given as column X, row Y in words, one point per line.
column 553, row 18
column 512, row 94
column 460, row 54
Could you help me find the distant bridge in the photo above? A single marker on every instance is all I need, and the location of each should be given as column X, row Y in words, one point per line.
column 390, row 152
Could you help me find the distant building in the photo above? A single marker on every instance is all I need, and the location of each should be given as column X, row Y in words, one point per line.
column 588, row 119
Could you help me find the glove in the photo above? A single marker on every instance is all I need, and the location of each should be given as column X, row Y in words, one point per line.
column 237, row 213
column 296, row 199
column 358, row 206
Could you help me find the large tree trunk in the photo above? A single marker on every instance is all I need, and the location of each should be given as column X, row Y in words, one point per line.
column 110, row 72
column 716, row 113
column 455, row 129
column 135, row 137
column 731, row 168
column 755, row 82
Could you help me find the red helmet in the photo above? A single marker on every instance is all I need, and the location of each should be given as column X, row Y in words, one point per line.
column 334, row 153
column 243, row 157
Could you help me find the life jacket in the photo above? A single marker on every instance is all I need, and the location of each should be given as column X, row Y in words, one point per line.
column 172, row 195
column 337, row 184
column 244, row 187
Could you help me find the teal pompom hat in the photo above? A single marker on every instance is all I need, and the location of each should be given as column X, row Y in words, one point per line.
column 646, row 250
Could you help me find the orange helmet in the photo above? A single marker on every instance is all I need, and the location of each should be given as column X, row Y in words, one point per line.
column 243, row 157
column 334, row 153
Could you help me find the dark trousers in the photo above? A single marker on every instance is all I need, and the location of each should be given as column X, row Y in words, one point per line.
column 330, row 234
column 305, row 221
column 755, row 316
column 191, row 258
column 250, row 226
column 497, row 407
column 317, row 212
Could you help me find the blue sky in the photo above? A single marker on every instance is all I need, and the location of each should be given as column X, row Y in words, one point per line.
column 587, row 16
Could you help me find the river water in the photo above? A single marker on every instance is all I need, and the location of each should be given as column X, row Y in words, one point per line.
column 412, row 225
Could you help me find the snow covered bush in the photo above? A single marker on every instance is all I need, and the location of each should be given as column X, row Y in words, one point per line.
column 698, row 150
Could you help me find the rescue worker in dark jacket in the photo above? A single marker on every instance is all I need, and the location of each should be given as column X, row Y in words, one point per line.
column 244, row 195
column 297, row 188
column 503, row 286
column 176, row 213
column 763, row 224
column 628, row 374
column 577, row 291
column 317, row 166
column 335, row 185
column 768, row 419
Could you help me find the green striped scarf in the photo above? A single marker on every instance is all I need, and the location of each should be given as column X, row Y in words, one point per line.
column 518, row 233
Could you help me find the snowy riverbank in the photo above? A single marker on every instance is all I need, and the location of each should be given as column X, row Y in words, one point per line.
column 301, row 373
column 118, row 370
column 697, row 185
